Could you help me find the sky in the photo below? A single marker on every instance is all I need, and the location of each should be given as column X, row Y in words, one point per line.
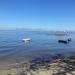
column 37, row 14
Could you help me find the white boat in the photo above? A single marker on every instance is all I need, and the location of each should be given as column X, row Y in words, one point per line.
column 26, row 39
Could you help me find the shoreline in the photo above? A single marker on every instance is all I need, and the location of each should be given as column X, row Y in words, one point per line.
column 52, row 65
column 26, row 56
column 19, row 58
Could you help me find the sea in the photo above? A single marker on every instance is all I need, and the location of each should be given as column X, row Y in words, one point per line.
column 13, row 49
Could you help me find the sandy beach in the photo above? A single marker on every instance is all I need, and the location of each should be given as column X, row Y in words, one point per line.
column 45, row 65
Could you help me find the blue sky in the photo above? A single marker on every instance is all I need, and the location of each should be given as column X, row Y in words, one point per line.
column 37, row 14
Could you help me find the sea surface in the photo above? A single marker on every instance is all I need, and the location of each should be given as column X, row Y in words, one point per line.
column 13, row 49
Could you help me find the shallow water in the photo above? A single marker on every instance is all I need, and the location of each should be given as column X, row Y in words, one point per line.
column 12, row 48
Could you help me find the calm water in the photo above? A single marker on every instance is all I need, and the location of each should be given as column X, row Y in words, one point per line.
column 12, row 47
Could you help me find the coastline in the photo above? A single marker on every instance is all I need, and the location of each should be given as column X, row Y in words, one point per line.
column 19, row 58
column 58, row 64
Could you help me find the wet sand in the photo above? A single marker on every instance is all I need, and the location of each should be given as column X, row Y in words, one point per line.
column 44, row 65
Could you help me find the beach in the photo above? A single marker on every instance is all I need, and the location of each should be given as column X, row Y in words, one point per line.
column 44, row 65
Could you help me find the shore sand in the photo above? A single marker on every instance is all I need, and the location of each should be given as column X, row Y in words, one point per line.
column 54, row 65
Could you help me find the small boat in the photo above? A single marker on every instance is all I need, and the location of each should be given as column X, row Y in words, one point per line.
column 26, row 39
column 65, row 41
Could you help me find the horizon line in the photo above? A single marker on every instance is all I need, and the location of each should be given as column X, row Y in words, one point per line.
column 35, row 29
